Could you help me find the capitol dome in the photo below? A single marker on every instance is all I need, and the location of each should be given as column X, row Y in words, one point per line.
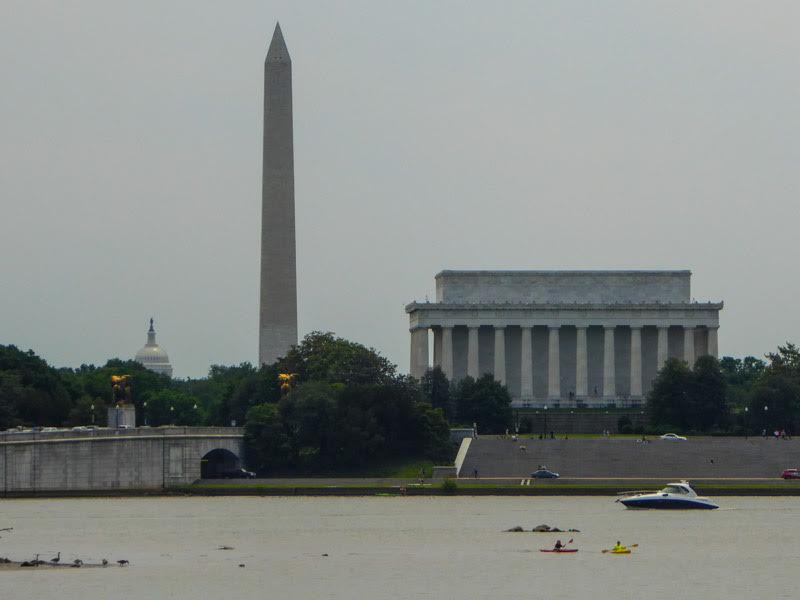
column 153, row 356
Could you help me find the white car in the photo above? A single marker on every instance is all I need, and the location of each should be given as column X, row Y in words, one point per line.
column 673, row 437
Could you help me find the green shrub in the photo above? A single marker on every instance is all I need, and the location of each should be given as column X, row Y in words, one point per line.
column 624, row 424
column 449, row 486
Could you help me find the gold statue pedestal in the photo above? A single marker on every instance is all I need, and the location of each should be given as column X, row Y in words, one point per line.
column 122, row 417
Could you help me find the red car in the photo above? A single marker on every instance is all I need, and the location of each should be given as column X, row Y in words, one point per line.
column 791, row 474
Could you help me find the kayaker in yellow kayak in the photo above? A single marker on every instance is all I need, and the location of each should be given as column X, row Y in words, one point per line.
column 618, row 547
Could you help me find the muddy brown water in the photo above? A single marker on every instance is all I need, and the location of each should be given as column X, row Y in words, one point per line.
column 392, row 547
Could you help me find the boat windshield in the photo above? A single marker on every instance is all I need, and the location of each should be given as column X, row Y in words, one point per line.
column 675, row 489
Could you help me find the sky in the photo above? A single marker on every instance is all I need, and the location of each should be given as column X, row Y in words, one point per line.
column 428, row 136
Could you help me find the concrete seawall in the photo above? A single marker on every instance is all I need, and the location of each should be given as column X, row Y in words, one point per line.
column 109, row 459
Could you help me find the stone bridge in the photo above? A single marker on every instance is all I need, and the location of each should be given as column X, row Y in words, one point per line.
column 115, row 459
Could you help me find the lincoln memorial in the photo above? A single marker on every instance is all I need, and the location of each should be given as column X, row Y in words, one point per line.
column 562, row 338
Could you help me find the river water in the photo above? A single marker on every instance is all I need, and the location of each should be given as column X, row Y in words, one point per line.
column 381, row 548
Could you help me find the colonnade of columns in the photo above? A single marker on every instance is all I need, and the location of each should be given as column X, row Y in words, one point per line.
column 419, row 356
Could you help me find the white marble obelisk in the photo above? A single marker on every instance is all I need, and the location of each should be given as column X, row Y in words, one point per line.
column 278, row 307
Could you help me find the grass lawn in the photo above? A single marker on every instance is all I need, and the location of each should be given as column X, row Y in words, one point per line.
column 395, row 468
column 560, row 436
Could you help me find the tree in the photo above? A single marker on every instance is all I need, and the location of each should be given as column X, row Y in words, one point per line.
column 89, row 380
column 483, row 401
column 668, row 403
column 785, row 361
column 778, row 389
column 433, row 432
column 740, row 376
column 253, row 389
column 685, row 399
column 308, row 415
column 780, row 394
column 215, row 391
column 324, row 357
column 171, row 407
column 708, row 395
column 436, row 389
column 31, row 390
column 320, row 427
column 83, row 413
column 9, row 393
column 268, row 445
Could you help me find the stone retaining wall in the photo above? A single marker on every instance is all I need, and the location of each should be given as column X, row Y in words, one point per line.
column 696, row 458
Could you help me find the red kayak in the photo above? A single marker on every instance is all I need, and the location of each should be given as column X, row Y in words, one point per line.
column 563, row 550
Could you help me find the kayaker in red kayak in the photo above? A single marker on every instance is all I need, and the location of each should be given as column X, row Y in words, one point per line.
column 559, row 548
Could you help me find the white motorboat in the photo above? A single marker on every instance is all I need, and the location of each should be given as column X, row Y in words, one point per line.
column 678, row 496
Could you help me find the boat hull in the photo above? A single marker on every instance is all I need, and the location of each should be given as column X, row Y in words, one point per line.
column 567, row 551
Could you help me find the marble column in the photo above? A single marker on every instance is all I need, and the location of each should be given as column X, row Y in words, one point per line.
column 419, row 352
column 472, row 353
column 663, row 347
column 500, row 354
column 713, row 342
column 688, row 345
column 609, row 364
column 636, row 362
column 581, row 365
column 447, row 352
column 553, row 364
column 526, row 372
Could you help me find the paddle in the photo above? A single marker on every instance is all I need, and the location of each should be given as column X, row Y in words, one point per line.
column 631, row 546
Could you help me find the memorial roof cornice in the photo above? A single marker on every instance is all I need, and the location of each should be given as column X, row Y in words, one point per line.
column 628, row 306
column 558, row 272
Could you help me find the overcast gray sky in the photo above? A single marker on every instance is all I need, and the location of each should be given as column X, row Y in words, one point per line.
column 524, row 135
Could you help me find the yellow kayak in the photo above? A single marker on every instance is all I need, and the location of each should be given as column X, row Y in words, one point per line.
column 621, row 551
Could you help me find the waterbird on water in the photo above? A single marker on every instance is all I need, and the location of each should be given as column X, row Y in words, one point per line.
column 122, row 562
column 77, row 563
column 56, row 559
column 105, row 562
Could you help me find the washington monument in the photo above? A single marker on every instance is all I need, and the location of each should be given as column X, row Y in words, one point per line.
column 278, row 307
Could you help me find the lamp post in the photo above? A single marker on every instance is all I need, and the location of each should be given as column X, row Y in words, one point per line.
column 746, row 410
column 172, row 415
column 144, row 406
column 766, row 408
column 92, row 414
column 195, row 413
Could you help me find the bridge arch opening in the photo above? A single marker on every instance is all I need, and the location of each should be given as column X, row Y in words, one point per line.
column 215, row 463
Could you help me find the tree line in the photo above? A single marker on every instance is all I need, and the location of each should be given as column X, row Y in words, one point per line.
column 346, row 404
column 346, row 400
column 730, row 395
